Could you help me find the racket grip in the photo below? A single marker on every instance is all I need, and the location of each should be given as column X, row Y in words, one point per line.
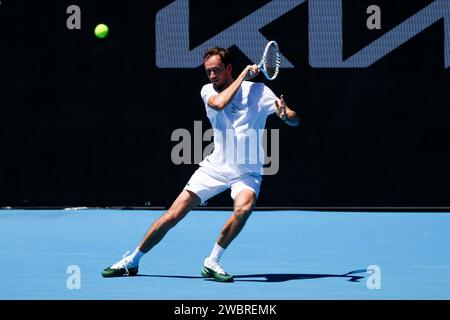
column 250, row 73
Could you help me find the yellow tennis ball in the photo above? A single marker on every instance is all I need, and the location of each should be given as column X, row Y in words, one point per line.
column 101, row 31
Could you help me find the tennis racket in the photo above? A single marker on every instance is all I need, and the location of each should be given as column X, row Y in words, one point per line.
column 270, row 62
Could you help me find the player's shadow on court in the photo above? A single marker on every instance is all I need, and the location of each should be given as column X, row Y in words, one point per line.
column 282, row 277
column 275, row 277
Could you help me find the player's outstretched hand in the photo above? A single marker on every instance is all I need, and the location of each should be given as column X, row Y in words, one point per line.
column 281, row 107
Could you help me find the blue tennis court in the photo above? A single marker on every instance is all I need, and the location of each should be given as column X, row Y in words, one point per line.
column 286, row 255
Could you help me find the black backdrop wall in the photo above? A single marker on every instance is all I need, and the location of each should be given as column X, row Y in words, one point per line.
column 88, row 122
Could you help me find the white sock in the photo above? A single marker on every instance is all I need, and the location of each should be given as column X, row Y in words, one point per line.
column 136, row 256
column 217, row 252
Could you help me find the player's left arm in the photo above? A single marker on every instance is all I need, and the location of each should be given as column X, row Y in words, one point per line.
column 285, row 113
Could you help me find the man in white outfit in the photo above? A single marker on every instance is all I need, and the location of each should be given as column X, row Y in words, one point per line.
column 237, row 110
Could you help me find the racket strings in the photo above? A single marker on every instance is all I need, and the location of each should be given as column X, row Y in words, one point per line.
column 272, row 61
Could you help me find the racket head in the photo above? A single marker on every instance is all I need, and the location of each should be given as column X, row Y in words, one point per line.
column 271, row 60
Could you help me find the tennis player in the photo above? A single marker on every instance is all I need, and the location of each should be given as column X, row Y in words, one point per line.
column 233, row 106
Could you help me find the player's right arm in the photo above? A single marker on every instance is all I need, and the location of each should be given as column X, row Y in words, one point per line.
column 220, row 101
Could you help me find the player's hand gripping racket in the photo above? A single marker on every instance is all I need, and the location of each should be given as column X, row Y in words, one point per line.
column 270, row 61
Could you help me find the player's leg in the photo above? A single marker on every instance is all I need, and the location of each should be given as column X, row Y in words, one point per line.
column 199, row 188
column 129, row 265
column 185, row 202
column 244, row 192
column 243, row 206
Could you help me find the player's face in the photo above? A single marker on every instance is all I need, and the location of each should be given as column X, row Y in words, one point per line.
column 217, row 73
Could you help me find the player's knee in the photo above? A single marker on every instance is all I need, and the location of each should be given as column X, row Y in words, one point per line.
column 170, row 222
column 242, row 212
column 171, row 218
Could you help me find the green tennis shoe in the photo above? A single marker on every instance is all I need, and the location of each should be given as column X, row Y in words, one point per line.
column 212, row 269
column 124, row 267
column 120, row 272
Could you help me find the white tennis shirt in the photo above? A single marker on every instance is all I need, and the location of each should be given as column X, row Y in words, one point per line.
column 238, row 129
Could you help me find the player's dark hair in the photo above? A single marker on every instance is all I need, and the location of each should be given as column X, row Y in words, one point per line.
column 224, row 54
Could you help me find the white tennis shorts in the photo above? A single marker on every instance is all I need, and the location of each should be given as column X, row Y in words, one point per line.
column 206, row 184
